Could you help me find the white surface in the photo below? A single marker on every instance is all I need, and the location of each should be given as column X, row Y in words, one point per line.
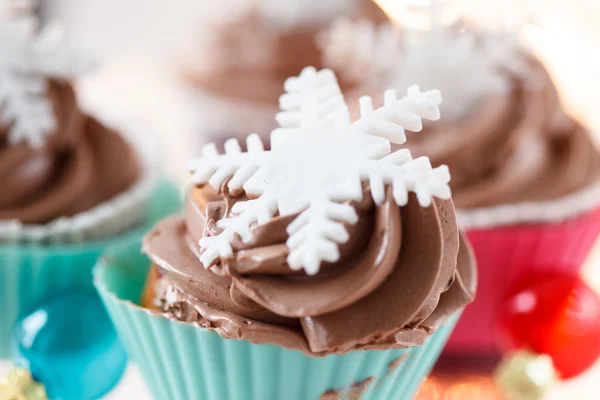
column 131, row 386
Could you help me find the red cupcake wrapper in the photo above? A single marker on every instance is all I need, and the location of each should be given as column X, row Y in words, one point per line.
column 504, row 255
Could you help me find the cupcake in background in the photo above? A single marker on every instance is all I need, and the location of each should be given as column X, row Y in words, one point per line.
column 70, row 184
column 329, row 266
column 525, row 175
column 244, row 57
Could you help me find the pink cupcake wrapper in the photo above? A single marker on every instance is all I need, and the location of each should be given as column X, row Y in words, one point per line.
column 506, row 254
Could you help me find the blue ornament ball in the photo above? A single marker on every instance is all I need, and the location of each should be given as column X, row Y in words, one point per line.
column 70, row 345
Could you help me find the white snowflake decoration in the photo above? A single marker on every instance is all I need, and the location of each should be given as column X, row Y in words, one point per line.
column 27, row 60
column 464, row 64
column 316, row 166
column 359, row 48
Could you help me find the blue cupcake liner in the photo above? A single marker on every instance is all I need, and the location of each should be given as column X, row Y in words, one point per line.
column 183, row 362
column 29, row 273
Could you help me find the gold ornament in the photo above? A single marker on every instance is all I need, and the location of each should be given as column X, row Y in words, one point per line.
column 19, row 385
column 524, row 375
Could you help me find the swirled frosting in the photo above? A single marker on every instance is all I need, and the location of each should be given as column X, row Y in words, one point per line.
column 513, row 147
column 404, row 270
column 250, row 58
column 82, row 164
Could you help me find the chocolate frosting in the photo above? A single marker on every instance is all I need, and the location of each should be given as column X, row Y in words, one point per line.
column 82, row 164
column 250, row 59
column 514, row 147
column 403, row 272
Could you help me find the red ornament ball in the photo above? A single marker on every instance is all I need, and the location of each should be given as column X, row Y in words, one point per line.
column 558, row 315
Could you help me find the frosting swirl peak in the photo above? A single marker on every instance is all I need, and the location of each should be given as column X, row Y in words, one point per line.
column 514, row 147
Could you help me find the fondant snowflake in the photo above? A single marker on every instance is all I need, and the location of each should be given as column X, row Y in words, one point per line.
column 26, row 61
column 465, row 64
column 317, row 164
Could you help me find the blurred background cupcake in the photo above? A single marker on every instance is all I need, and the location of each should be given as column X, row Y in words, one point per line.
column 525, row 174
column 243, row 58
column 348, row 297
column 177, row 60
column 71, row 184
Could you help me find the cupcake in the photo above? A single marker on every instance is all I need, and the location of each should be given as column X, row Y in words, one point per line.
column 71, row 184
column 243, row 59
column 525, row 175
column 329, row 266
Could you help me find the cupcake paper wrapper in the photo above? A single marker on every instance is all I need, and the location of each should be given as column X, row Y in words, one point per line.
column 31, row 272
column 109, row 218
column 183, row 362
column 504, row 256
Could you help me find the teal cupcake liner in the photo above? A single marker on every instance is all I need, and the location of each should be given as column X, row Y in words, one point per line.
column 29, row 273
column 183, row 362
